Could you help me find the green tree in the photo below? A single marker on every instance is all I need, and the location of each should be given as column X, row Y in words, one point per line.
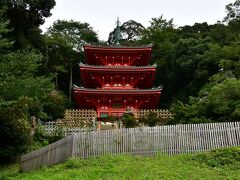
column 14, row 130
column 65, row 40
column 25, row 18
column 130, row 32
column 162, row 35
column 233, row 11
column 198, row 30
column 232, row 19
column 19, row 76
column 215, row 103
column 129, row 121
column 152, row 120
column 23, row 93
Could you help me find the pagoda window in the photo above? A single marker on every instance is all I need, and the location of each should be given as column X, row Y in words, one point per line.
column 104, row 114
column 114, row 114
column 116, row 105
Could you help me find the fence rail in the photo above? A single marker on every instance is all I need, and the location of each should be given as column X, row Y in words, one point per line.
column 52, row 154
column 163, row 113
column 171, row 139
column 79, row 113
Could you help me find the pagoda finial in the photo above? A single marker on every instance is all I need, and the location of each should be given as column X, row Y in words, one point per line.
column 117, row 33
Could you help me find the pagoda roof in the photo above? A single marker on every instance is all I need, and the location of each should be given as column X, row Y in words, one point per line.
column 137, row 76
column 119, row 48
column 118, row 68
column 118, row 91
column 99, row 54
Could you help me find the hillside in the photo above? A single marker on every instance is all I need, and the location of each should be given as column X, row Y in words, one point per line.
column 218, row 164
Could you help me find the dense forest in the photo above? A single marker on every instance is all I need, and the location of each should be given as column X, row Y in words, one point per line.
column 198, row 66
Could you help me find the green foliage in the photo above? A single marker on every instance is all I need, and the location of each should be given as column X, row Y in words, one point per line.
column 75, row 33
column 56, row 135
column 55, row 104
column 23, row 93
column 4, row 42
column 219, row 102
column 232, row 10
column 113, row 119
column 19, row 76
column 228, row 157
column 41, row 139
column 14, row 130
column 25, row 17
column 65, row 40
column 73, row 163
column 152, row 120
column 129, row 121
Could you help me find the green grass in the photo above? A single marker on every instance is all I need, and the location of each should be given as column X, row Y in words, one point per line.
column 219, row 164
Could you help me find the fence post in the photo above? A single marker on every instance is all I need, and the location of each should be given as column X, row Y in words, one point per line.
column 229, row 137
column 94, row 123
column 73, row 145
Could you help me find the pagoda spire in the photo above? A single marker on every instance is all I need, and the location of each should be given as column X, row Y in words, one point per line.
column 117, row 33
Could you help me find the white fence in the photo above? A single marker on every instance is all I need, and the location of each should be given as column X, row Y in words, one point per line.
column 53, row 127
column 171, row 139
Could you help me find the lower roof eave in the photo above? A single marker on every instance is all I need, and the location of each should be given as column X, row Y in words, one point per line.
column 116, row 91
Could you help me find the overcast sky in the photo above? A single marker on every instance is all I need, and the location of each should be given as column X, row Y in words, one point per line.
column 102, row 14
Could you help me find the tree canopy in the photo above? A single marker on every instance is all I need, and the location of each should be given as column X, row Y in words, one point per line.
column 130, row 32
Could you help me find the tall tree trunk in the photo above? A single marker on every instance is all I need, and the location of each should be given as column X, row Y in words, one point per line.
column 70, row 83
column 56, row 81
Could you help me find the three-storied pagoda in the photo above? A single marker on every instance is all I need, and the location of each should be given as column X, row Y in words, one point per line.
column 116, row 78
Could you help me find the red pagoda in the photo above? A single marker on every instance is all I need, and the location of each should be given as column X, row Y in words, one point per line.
column 115, row 79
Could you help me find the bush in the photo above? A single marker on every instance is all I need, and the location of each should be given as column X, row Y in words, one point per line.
column 152, row 119
column 73, row 163
column 57, row 135
column 129, row 121
column 42, row 139
column 54, row 105
column 14, row 130
column 220, row 157
column 112, row 119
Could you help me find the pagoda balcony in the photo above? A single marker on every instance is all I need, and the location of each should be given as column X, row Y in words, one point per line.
column 131, row 56
column 127, row 77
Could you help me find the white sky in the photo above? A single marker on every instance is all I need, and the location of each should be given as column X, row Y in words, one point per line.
column 102, row 14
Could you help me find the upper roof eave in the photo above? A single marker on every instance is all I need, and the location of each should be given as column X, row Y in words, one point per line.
column 118, row 48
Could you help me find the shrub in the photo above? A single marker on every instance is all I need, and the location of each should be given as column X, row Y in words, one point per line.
column 57, row 135
column 73, row 163
column 14, row 130
column 220, row 157
column 54, row 105
column 129, row 121
column 152, row 119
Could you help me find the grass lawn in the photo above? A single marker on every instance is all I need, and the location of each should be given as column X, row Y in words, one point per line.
column 223, row 164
